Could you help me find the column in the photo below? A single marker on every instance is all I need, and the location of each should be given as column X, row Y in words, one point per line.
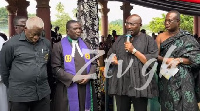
column 198, row 29
column 11, row 14
column 104, row 17
column 22, row 7
column 126, row 7
column 195, row 28
column 43, row 11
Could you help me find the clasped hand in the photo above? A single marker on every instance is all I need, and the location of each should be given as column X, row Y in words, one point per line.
column 81, row 79
column 172, row 62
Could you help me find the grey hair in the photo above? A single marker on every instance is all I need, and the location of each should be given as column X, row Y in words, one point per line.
column 34, row 22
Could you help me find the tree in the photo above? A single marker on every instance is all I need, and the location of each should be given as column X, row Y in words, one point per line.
column 116, row 25
column 62, row 18
column 31, row 15
column 157, row 24
column 74, row 12
column 187, row 23
column 3, row 17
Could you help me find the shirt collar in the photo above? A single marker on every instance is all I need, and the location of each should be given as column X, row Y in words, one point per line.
column 70, row 40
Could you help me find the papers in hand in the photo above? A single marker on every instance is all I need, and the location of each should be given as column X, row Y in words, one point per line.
column 168, row 72
column 80, row 77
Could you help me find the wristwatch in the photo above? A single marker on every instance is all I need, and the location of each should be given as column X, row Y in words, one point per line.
column 134, row 51
column 181, row 60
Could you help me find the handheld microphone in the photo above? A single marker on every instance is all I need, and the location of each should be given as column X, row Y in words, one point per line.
column 128, row 35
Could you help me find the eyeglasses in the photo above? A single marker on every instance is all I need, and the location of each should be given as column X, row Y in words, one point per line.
column 170, row 21
column 132, row 24
column 20, row 25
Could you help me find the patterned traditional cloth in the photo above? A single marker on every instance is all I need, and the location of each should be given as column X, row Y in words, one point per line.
column 88, row 16
column 178, row 93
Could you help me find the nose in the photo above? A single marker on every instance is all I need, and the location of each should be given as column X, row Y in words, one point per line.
column 128, row 26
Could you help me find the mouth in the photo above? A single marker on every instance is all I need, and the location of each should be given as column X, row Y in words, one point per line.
column 78, row 34
column 166, row 27
column 130, row 32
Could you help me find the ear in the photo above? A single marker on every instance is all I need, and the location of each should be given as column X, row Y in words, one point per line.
column 141, row 25
column 67, row 31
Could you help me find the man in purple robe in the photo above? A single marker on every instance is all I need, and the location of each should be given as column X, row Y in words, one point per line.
column 68, row 58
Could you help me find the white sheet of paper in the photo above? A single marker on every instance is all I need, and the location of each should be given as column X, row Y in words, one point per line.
column 168, row 72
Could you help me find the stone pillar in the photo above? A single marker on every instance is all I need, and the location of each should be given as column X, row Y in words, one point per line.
column 43, row 11
column 22, row 7
column 11, row 14
column 126, row 7
column 198, row 28
column 195, row 28
column 104, row 18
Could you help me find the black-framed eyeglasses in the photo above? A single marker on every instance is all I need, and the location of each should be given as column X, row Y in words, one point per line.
column 20, row 25
column 132, row 24
column 171, row 21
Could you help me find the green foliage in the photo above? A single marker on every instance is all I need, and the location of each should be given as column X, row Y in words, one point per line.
column 3, row 17
column 62, row 18
column 60, row 7
column 74, row 12
column 31, row 15
column 116, row 25
column 187, row 23
column 157, row 24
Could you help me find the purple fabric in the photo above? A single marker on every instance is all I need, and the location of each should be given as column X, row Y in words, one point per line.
column 72, row 90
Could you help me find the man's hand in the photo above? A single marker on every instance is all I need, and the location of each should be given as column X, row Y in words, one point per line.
column 84, row 81
column 128, row 46
column 172, row 62
column 79, row 81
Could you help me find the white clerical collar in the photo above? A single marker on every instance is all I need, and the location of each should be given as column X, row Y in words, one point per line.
column 75, row 45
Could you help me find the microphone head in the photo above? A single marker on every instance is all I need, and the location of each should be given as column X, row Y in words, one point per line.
column 128, row 34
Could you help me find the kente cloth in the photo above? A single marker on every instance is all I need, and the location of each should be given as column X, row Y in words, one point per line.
column 178, row 93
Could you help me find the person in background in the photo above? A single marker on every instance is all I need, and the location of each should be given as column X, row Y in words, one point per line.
column 143, row 31
column 3, row 92
column 19, row 24
column 24, row 63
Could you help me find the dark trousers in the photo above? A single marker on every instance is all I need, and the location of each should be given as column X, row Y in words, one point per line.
column 40, row 105
column 124, row 103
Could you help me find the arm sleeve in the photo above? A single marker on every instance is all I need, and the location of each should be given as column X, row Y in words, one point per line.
column 7, row 56
column 152, row 49
column 57, row 64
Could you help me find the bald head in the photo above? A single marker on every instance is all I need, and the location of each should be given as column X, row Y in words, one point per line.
column 175, row 13
column 34, row 22
column 135, row 18
column 172, row 21
column 133, row 24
